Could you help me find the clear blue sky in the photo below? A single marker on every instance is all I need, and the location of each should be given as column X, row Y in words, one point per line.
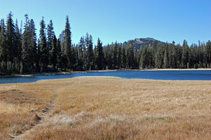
column 120, row 20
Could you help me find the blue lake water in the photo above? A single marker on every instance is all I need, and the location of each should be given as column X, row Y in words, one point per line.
column 155, row 75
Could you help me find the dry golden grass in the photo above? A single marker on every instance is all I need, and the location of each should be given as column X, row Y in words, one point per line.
column 18, row 105
column 108, row 108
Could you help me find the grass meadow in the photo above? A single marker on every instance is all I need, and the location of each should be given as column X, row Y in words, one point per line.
column 101, row 108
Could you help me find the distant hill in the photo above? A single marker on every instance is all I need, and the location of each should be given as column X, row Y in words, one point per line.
column 141, row 42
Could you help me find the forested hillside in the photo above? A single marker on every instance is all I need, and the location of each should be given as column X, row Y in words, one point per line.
column 21, row 51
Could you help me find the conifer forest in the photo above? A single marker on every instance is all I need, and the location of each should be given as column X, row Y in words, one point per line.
column 23, row 51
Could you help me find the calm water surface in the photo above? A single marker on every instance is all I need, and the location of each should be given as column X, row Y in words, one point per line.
column 155, row 75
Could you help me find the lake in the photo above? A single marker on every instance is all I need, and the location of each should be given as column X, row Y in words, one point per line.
column 154, row 75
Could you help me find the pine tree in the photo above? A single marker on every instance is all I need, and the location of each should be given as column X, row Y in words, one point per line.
column 81, row 57
column 43, row 47
column 86, row 40
column 174, row 56
column 204, row 56
column 201, row 55
column 10, row 37
column 119, row 57
column 90, row 53
column 159, row 58
column 130, row 56
column 25, row 53
column 33, row 45
column 67, row 43
column 136, row 59
column 149, row 57
column 114, row 56
column 166, row 60
column 50, row 35
column 59, row 55
column 95, row 58
column 155, row 49
column 64, row 60
column 100, row 55
column 123, row 59
column 38, row 56
column 29, row 50
column 53, row 57
column 3, row 48
column 143, row 61
column 74, row 57
column 108, row 57
column 169, row 49
column 208, row 50
column 17, row 42
column 184, row 54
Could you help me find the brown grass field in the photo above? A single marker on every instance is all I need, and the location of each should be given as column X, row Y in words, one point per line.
column 101, row 108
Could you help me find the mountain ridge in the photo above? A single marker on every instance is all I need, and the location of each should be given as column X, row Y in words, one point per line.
column 142, row 42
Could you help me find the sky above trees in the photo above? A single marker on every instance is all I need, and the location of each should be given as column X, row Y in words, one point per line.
column 120, row 20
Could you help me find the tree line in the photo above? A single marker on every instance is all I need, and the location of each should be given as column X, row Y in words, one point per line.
column 22, row 52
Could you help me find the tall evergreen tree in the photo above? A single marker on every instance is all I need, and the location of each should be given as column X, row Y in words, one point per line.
column 184, row 54
column 154, row 47
column 29, row 47
column 119, row 56
column 174, row 56
column 54, row 51
column 143, row 61
column 149, row 57
column 43, row 47
column 17, row 42
column 108, row 56
column 90, row 53
column 3, row 48
column 169, row 53
column 166, row 58
column 38, row 56
column 59, row 55
column 25, row 50
column 100, row 55
column 123, row 59
column 114, row 56
column 201, row 55
column 136, row 59
column 10, row 37
column 204, row 52
column 130, row 56
column 67, row 43
column 64, row 60
column 81, row 58
column 159, row 58
column 208, row 50
column 33, row 44
column 50, row 37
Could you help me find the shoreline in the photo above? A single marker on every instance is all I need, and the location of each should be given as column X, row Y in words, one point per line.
column 35, row 74
column 178, row 69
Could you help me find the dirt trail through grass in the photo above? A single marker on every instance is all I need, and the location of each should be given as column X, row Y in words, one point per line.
column 39, row 118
